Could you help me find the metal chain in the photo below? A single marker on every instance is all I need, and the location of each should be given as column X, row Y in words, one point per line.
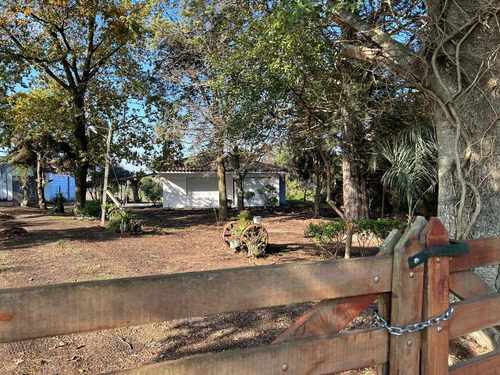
column 378, row 321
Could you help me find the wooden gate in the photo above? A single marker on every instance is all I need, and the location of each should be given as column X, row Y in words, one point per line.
column 412, row 293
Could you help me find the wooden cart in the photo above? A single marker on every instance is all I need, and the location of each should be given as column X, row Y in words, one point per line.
column 253, row 239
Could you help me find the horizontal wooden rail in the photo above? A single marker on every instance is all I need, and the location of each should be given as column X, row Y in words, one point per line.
column 316, row 356
column 474, row 314
column 69, row 308
column 482, row 252
column 486, row 364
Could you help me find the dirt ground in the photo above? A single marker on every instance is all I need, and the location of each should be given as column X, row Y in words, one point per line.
column 38, row 248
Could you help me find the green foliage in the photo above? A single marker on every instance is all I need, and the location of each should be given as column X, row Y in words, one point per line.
column 270, row 195
column 152, row 189
column 85, row 49
column 408, row 163
column 244, row 220
column 244, row 215
column 59, row 200
column 330, row 235
column 119, row 219
column 123, row 216
column 299, row 190
column 91, row 209
column 249, row 195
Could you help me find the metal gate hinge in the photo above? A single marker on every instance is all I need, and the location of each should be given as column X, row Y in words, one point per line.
column 454, row 248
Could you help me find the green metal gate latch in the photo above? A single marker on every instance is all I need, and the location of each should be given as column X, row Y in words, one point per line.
column 454, row 248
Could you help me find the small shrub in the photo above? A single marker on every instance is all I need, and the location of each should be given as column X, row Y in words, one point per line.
column 270, row 194
column 249, row 195
column 244, row 219
column 59, row 200
column 330, row 236
column 118, row 217
column 92, row 209
column 244, row 215
column 152, row 189
column 328, row 233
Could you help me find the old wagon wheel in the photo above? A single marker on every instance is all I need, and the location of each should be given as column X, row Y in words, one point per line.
column 228, row 234
column 254, row 239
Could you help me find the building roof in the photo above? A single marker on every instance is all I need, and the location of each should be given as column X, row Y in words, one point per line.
column 207, row 163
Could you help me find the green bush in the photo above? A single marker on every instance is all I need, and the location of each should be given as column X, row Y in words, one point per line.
column 152, row 189
column 91, row 209
column 330, row 235
column 117, row 217
column 270, row 195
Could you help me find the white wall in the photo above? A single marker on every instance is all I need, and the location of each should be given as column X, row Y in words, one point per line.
column 6, row 183
column 254, row 182
column 182, row 190
column 198, row 190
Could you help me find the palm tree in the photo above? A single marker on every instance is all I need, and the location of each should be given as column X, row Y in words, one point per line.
column 408, row 162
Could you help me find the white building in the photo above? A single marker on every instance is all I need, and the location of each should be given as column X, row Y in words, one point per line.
column 197, row 186
column 6, row 191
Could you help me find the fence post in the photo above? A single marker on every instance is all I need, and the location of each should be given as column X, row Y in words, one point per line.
column 435, row 346
column 406, row 303
column 384, row 300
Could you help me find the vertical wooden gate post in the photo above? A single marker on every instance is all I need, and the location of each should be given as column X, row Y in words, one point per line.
column 406, row 304
column 435, row 344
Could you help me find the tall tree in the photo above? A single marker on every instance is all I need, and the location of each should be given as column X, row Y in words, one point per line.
column 195, row 46
column 35, row 133
column 73, row 43
column 449, row 50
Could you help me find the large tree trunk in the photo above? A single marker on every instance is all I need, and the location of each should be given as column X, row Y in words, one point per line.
column 466, row 113
column 319, row 187
column 134, row 186
column 238, row 177
column 458, row 70
column 81, row 150
column 221, row 177
column 40, row 182
column 353, row 174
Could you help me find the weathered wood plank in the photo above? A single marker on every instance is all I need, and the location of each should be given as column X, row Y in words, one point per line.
column 474, row 314
column 326, row 318
column 486, row 364
column 51, row 310
column 309, row 356
column 384, row 300
column 467, row 284
column 435, row 345
column 482, row 252
column 406, row 306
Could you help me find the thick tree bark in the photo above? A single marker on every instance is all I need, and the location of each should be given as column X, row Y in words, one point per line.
column 466, row 106
column 317, row 194
column 81, row 151
column 134, row 186
column 238, row 177
column 353, row 176
column 221, row 177
column 40, row 182
column 458, row 71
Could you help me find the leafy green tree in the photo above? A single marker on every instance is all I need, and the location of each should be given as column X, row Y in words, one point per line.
column 449, row 52
column 74, row 44
column 196, row 49
column 408, row 161
column 152, row 189
column 35, row 133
